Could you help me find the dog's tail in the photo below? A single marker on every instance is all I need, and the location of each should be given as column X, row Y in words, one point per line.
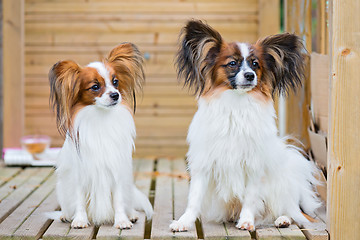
column 55, row 215
column 142, row 203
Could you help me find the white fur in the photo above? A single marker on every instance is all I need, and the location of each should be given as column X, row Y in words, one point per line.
column 95, row 178
column 241, row 169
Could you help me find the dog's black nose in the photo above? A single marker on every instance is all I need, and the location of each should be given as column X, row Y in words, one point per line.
column 114, row 96
column 249, row 76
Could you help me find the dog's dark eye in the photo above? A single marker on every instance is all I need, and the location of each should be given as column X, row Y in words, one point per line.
column 232, row 64
column 115, row 82
column 255, row 64
column 95, row 87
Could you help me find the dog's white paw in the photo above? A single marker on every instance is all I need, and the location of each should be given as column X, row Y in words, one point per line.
column 123, row 224
column 282, row 222
column 177, row 226
column 134, row 216
column 79, row 223
column 64, row 219
column 245, row 225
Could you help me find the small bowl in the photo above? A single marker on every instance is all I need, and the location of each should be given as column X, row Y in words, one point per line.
column 35, row 144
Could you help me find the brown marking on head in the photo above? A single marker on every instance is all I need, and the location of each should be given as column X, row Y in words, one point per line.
column 73, row 87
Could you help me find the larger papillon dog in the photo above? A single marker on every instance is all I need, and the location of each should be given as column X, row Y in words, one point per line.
column 94, row 168
column 241, row 170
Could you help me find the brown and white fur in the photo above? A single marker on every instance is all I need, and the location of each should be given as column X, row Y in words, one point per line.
column 241, row 170
column 94, row 168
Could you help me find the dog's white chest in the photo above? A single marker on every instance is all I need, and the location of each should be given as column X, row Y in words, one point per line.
column 227, row 138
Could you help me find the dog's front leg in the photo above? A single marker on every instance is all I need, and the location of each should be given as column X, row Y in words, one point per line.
column 251, row 206
column 198, row 186
column 80, row 217
column 121, row 220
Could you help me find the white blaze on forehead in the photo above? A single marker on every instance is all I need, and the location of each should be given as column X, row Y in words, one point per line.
column 100, row 68
column 104, row 72
column 244, row 49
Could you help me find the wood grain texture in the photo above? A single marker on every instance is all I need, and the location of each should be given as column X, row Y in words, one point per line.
column 269, row 9
column 298, row 21
column 344, row 130
column 16, row 219
column 17, row 190
column 163, row 205
column 13, row 72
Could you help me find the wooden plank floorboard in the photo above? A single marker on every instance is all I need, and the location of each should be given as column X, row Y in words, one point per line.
column 214, row 231
column 37, row 223
column 180, row 181
column 57, row 230
column 21, row 192
column 163, row 211
column 7, row 173
column 235, row 233
column 268, row 233
column 9, row 226
column 292, row 232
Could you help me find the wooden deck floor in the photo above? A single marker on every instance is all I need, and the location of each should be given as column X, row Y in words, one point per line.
column 26, row 194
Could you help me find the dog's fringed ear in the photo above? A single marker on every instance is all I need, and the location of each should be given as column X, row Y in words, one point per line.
column 283, row 56
column 199, row 46
column 64, row 92
column 128, row 62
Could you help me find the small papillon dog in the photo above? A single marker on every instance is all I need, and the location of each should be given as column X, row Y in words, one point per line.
column 94, row 168
column 241, row 170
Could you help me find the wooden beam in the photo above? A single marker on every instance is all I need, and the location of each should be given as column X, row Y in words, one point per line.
column 269, row 17
column 298, row 20
column 13, row 72
column 343, row 156
column 1, row 76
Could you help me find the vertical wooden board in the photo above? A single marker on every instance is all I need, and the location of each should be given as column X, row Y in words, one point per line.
column 13, row 72
column 343, row 156
column 7, row 173
column 292, row 232
column 214, row 231
column 181, row 189
column 163, row 205
column 269, row 17
column 23, row 211
column 235, row 233
column 37, row 222
column 298, row 21
column 268, row 233
column 8, row 204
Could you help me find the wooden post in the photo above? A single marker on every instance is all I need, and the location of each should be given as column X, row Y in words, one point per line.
column 269, row 17
column 1, row 78
column 298, row 20
column 13, row 72
column 344, row 132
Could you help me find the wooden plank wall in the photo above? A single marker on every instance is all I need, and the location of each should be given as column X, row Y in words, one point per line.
column 86, row 30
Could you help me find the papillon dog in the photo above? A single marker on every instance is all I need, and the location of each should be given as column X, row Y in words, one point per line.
column 240, row 169
column 94, row 168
